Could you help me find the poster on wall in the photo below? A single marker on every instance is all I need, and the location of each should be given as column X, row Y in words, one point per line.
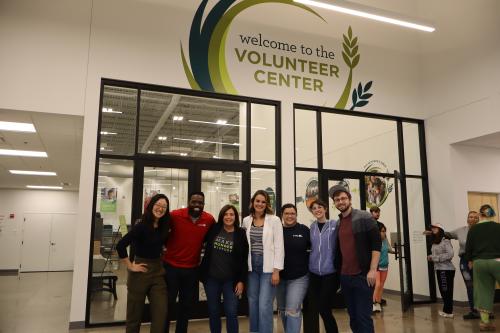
column 108, row 199
column 377, row 188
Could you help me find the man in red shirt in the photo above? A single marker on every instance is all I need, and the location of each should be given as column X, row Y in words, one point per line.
column 358, row 252
column 188, row 229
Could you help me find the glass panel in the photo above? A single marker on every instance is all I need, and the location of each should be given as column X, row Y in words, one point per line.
column 418, row 245
column 412, row 149
column 353, row 186
column 112, row 221
column 307, row 190
column 359, row 144
column 190, row 126
column 263, row 134
column 221, row 188
column 306, row 148
column 169, row 181
column 264, row 179
column 118, row 119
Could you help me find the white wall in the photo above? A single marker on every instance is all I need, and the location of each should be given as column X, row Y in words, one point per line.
column 18, row 202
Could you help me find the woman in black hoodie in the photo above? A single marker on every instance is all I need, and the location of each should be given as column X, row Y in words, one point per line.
column 224, row 268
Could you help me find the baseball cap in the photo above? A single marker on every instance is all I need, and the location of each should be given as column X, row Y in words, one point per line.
column 437, row 225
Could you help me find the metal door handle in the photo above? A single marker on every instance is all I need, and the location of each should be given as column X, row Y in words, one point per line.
column 52, row 243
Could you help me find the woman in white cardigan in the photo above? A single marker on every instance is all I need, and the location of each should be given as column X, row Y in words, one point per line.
column 265, row 260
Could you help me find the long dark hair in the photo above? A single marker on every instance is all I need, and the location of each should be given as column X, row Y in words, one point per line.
column 437, row 238
column 148, row 217
column 236, row 215
column 268, row 210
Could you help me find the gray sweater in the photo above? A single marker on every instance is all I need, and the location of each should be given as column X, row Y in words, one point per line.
column 442, row 254
column 459, row 234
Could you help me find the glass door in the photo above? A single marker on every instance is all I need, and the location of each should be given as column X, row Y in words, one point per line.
column 401, row 247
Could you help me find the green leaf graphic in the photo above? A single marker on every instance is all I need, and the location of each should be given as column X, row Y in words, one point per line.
column 355, row 61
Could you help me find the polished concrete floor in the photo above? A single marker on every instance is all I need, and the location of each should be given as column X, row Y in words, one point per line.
column 39, row 303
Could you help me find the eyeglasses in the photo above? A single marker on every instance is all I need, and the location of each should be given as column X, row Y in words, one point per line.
column 160, row 206
column 340, row 199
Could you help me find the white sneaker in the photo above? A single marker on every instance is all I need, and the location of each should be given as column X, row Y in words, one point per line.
column 445, row 315
column 377, row 307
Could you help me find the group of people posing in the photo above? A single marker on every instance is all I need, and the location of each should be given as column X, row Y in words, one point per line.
column 264, row 256
column 479, row 254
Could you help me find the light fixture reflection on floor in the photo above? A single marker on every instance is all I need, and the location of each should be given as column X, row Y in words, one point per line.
column 371, row 13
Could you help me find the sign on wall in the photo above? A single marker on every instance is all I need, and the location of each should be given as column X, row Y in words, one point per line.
column 275, row 62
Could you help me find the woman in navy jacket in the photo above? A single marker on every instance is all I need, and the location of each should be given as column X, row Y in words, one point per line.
column 224, row 268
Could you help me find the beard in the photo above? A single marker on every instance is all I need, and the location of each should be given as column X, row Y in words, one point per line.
column 343, row 208
column 195, row 212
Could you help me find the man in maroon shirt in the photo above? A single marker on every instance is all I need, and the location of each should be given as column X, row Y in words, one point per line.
column 358, row 252
column 188, row 229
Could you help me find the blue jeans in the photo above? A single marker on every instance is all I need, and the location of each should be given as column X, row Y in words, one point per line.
column 467, row 275
column 260, row 297
column 290, row 295
column 359, row 298
column 214, row 288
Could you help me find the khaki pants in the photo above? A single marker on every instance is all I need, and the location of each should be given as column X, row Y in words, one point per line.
column 150, row 284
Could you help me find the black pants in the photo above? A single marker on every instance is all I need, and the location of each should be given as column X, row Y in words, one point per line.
column 323, row 289
column 445, row 282
column 181, row 282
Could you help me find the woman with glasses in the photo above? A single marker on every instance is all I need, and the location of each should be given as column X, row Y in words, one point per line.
column 224, row 268
column 145, row 271
column 294, row 278
column 265, row 260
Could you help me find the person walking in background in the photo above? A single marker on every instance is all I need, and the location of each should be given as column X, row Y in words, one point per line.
column 189, row 227
column 442, row 253
column 357, row 258
column 265, row 260
column 294, row 277
column 324, row 278
column 460, row 234
column 483, row 254
column 145, row 272
column 224, row 268
column 382, row 270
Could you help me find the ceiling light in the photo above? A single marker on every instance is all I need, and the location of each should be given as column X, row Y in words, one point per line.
column 221, row 122
column 17, row 127
column 198, row 141
column 35, row 173
column 206, row 141
column 162, row 138
column 367, row 12
column 104, row 149
column 44, row 187
column 108, row 133
column 110, row 110
column 26, row 153
column 224, row 124
column 183, row 154
column 215, row 156
column 151, row 152
column 178, row 118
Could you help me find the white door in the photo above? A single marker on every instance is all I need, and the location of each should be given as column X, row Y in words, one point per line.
column 62, row 242
column 36, row 242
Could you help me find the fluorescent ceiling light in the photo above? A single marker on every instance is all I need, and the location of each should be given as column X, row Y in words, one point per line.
column 24, row 153
column 178, row 118
column 367, row 12
column 162, row 138
column 183, row 154
column 17, row 127
column 108, row 133
column 223, row 124
column 110, row 110
column 206, row 141
column 44, row 187
column 34, row 173
column 151, row 152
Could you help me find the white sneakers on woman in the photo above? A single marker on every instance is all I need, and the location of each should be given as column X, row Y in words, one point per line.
column 445, row 315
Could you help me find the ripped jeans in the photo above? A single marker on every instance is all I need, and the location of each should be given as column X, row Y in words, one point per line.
column 290, row 295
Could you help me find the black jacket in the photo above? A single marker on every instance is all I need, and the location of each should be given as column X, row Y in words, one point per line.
column 366, row 237
column 240, row 253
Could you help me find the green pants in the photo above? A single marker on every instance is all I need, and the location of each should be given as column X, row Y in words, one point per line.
column 150, row 284
column 486, row 273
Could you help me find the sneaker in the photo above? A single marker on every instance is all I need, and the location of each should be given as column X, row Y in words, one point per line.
column 445, row 315
column 471, row 315
column 383, row 302
column 486, row 327
column 376, row 307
